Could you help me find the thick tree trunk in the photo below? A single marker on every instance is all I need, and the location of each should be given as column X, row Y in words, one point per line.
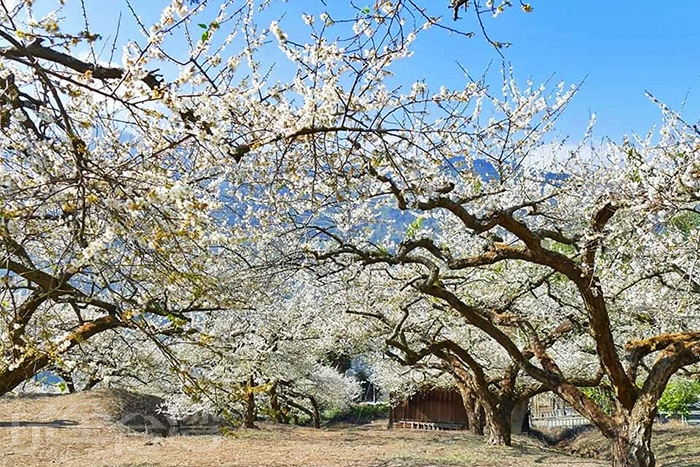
column 632, row 441
column 498, row 425
column 496, row 404
column 498, row 433
column 249, row 419
column 475, row 413
column 628, row 429
column 497, row 410
column 633, row 449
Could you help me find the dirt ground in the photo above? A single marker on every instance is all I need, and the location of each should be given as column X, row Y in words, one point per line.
column 80, row 430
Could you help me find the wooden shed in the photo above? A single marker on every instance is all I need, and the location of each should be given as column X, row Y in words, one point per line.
column 431, row 409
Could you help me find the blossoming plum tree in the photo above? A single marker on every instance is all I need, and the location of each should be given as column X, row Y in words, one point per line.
column 276, row 351
column 418, row 333
column 102, row 223
column 124, row 203
column 596, row 243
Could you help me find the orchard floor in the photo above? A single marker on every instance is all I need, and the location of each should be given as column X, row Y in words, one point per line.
column 78, row 430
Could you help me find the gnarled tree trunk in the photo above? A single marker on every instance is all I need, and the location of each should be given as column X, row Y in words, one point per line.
column 632, row 448
column 475, row 413
column 498, row 422
column 497, row 407
column 629, row 429
column 632, row 441
column 488, row 413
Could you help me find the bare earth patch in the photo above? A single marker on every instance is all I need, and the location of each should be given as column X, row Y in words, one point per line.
column 80, row 430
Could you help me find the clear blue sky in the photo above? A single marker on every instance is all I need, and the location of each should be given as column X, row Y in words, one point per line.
column 620, row 48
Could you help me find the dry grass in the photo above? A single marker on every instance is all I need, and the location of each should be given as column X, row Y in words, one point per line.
column 80, row 430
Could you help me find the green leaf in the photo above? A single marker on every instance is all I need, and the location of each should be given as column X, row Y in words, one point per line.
column 203, row 26
column 563, row 248
column 366, row 10
column 602, row 397
column 678, row 397
column 414, row 227
column 205, row 36
column 686, row 222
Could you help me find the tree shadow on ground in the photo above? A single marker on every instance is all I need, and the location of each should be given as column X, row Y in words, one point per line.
column 52, row 424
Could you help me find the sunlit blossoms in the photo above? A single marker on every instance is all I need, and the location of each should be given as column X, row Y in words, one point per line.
column 237, row 210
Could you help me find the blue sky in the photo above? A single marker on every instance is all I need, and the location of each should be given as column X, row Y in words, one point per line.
column 620, row 48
